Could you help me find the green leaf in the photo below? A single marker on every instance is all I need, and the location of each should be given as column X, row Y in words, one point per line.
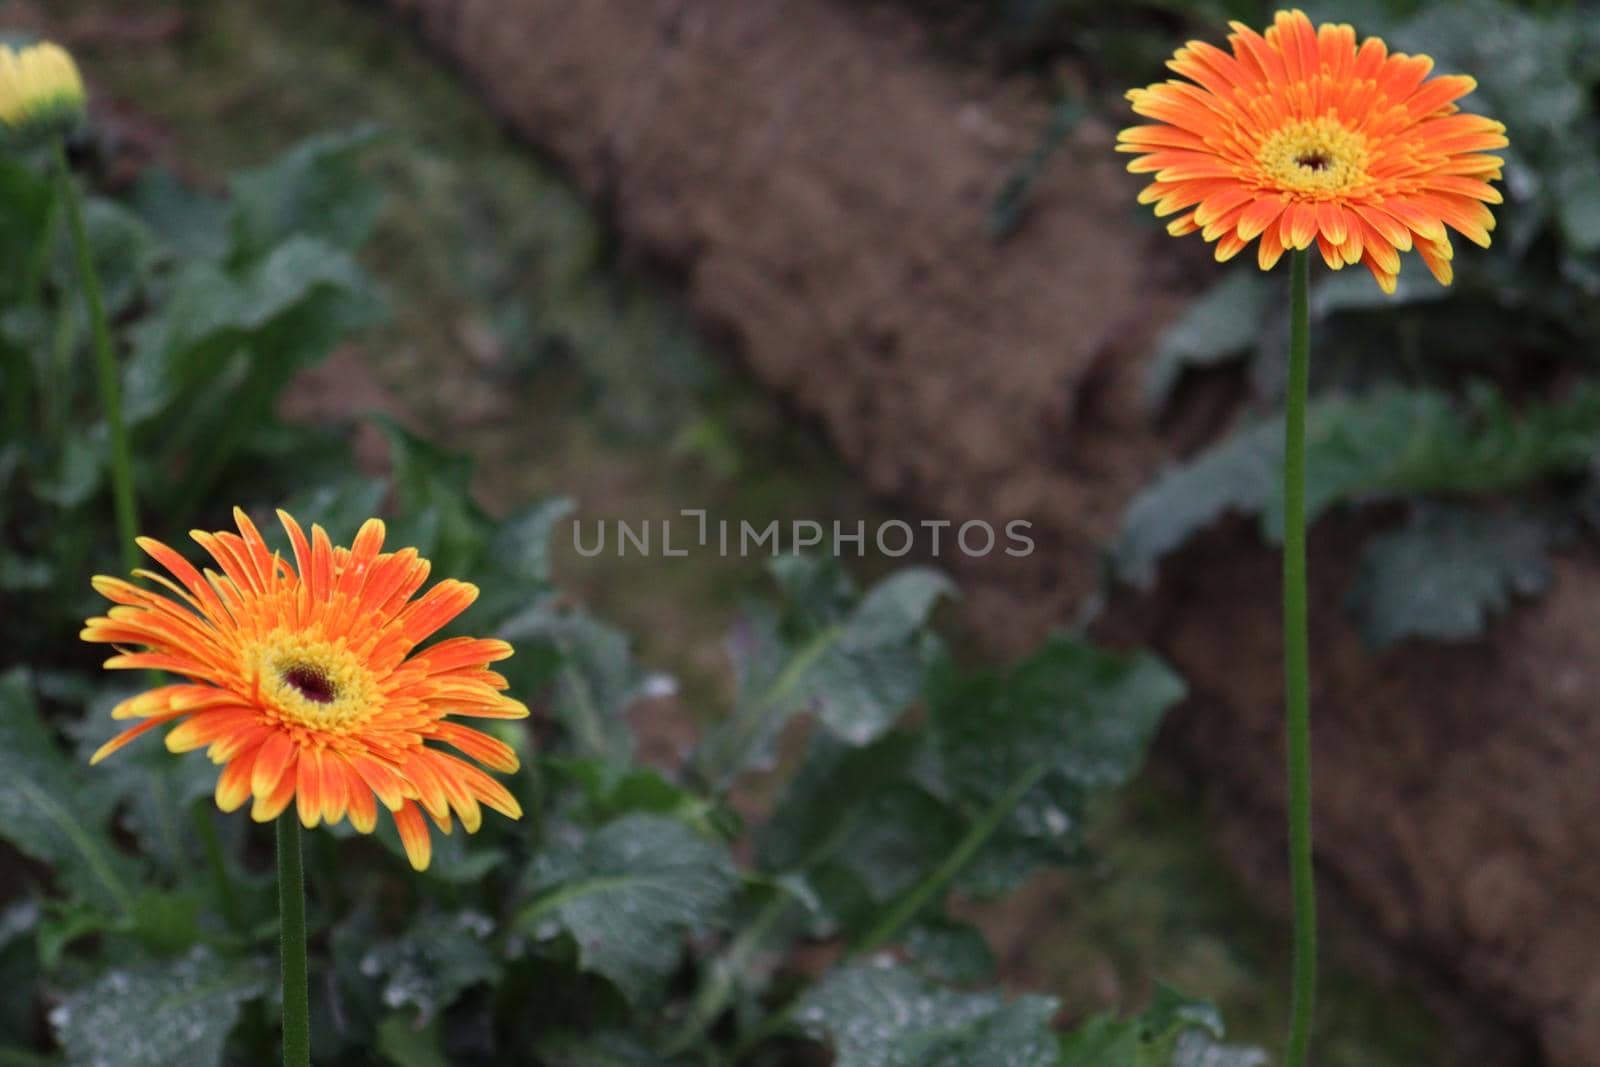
column 605, row 1049
column 28, row 197
column 1223, row 324
column 593, row 671
column 1391, row 441
column 192, row 223
column 1447, row 572
column 76, row 478
column 173, row 1014
column 48, row 808
column 950, row 951
column 516, row 567
column 316, row 189
column 339, row 508
column 151, row 789
column 210, row 314
column 883, row 1016
column 1236, row 475
column 628, row 895
column 853, row 827
column 1087, row 715
column 521, row 543
column 612, row 791
column 432, row 486
column 436, row 960
column 1174, row 1031
column 404, row 1044
column 855, row 663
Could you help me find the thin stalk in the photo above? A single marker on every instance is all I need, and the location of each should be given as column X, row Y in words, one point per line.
column 907, row 907
column 292, row 920
column 1297, row 668
column 105, row 366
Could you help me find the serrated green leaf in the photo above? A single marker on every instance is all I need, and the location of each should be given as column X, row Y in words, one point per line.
column 339, row 508
column 1087, row 713
column 1447, row 572
column 190, row 222
column 404, row 1044
column 316, row 189
column 1220, row 325
column 171, row 1014
column 950, row 951
column 606, row 1049
column 1196, row 1048
column 854, row 663
column 47, row 807
column 1081, row 714
column 521, row 543
column 125, row 250
column 628, row 895
column 425, row 970
column 882, row 1016
column 611, row 791
column 853, row 827
column 1235, row 475
column 592, row 668
column 211, row 313
column 1386, row 442
column 1174, row 1031
column 27, row 196
column 516, row 567
column 896, row 608
column 433, row 482
column 151, row 790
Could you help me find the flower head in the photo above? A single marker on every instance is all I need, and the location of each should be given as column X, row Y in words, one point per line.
column 41, row 93
column 305, row 684
column 1299, row 135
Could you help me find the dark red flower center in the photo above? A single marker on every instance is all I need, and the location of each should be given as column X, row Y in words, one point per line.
column 311, row 684
column 1314, row 160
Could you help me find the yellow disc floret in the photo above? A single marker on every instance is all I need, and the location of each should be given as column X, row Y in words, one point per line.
column 312, row 683
column 1318, row 158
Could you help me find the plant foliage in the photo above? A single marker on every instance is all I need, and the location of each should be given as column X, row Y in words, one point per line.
column 635, row 915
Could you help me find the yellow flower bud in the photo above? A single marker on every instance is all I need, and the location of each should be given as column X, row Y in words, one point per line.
column 41, row 93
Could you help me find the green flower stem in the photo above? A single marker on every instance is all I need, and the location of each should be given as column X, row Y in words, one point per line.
column 906, row 908
column 292, row 919
column 105, row 366
column 1297, row 667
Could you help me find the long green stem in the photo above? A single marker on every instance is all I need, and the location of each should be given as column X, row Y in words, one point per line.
column 105, row 366
column 292, row 918
column 1297, row 668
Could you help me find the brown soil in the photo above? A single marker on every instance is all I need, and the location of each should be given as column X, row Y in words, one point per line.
column 820, row 182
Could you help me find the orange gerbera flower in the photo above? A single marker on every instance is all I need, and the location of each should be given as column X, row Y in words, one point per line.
column 304, row 685
column 1300, row 136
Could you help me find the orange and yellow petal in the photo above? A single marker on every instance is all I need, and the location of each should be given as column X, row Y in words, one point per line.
column 1302, row 135
column 301, row 677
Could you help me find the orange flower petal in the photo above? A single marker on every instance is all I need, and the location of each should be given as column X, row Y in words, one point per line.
column 1304, row 134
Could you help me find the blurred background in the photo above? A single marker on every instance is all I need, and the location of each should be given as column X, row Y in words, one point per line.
column 857, row 261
